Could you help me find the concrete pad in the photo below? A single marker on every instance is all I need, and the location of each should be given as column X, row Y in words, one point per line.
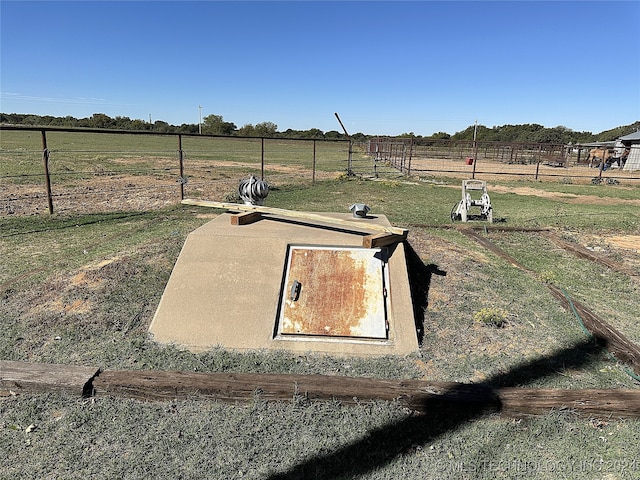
column 226, row 285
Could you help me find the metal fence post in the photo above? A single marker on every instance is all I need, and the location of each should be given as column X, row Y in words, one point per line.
column 262, row 158
column 313, row 169
column 47, row 176
column 475, row 158
column 181, row 160
column 410, row 157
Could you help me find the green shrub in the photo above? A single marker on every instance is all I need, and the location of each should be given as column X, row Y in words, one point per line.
column 495, row 317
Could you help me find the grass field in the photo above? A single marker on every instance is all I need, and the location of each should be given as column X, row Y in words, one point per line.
column 82, row 288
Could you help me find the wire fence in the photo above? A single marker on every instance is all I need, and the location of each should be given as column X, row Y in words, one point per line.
column 85, row 171
column 70, row 170
column 494, row 160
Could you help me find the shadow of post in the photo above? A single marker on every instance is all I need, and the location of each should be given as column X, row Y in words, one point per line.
column 380, row 446
column 419, row 283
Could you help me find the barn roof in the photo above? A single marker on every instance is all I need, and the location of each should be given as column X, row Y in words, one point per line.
column 596, row 144
column 632, row 137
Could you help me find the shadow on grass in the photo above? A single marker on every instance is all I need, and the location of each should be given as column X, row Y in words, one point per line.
column 419, row 283
column 379, row 447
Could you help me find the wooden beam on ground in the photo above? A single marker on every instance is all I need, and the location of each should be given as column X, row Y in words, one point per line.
column 245, row 218
column 382, row 240
column 587, row 402
column 355, row 224
column 418, row 395
column 613, row 340
column 583, row 252
column 21, row 377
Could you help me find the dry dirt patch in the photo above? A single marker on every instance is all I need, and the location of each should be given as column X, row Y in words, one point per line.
column 104, row 192
column 631, row 242
column 567, row 197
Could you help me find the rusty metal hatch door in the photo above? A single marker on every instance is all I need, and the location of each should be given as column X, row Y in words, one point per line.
column 334, row 292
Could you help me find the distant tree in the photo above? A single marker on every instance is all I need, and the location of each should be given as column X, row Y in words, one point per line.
column 215, row 125
column 188, row 128
column 138, row 124
column 333, row 134
column 266, row 129
column 615, row 133
column 247, row 130
column 100, row 120
column 67, row 121
column 163, row 127
column 313, row 133
column 290, row 133
column 122, row 123
column 440, row 136
column 557, row 135
column 359, row 137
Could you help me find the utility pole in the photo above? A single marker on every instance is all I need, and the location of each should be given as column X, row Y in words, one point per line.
column 199, row 119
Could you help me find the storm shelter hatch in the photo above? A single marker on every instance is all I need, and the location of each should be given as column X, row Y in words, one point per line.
column 284, row 284
column 331, row 291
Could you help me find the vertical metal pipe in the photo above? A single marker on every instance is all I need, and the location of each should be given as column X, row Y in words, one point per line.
column 47, row 176
column 181, row 161
column 313, row 170
column 475, row 158
column 538, row 164
column 262, row 158
column 410, row 157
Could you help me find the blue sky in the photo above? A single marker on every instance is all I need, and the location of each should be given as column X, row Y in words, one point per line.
column 386, row 67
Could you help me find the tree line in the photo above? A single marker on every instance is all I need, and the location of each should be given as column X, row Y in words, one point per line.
column 216, row 125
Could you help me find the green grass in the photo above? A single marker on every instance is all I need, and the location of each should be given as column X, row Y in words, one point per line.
column 82, row 289
column 74, row 154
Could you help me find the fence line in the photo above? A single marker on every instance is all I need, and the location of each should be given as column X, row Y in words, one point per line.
column 489, row 159
column 107, row 166
column 191, row 164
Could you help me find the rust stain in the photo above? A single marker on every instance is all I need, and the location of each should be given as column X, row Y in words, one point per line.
column 341, row 295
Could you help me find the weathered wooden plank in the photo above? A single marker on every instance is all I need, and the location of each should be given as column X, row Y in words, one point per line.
column 418, row 395
column 355, row 224
column 18, row 377
column 155, row 385
column 245, row 218
column 382, row 240
column 532, row 401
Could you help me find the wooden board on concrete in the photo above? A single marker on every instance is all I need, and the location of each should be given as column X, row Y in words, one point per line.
column 382, row 240
column 355, row 223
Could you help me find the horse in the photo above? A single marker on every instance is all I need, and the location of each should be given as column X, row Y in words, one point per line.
column 600, row 154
